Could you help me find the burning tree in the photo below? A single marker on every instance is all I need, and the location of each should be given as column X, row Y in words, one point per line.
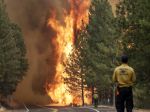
column 63, row 42
column 90, row 64
column 76, row 68
column 13, row 63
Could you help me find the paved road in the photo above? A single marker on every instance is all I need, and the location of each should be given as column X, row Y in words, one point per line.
column 61, row 109
column 77, row 109
column 66, row 109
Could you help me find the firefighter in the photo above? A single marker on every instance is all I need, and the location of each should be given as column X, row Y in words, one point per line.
column 95, row 97
column 124, row 77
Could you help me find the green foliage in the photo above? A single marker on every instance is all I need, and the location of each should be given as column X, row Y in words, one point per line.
column 95, row 50
column 101, row 44
column 133, row 21
column 13, row 63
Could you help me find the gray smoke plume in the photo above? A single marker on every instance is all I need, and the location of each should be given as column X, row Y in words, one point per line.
column 32, row 16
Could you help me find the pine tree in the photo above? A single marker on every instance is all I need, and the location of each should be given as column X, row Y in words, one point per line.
column 101, row 45
column 76, row 68
column 13, row 63
column 92, row 59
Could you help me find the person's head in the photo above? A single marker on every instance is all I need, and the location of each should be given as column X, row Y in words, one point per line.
column 124, row 59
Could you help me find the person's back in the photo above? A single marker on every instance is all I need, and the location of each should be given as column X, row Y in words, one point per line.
column 124, row 76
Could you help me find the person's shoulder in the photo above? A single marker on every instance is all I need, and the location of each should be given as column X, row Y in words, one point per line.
column 117, row 67
column 131, row 68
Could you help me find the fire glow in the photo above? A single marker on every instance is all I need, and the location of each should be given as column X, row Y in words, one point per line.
column 64, row 42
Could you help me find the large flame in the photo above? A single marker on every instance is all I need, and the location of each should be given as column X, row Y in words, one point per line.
column 63, row 42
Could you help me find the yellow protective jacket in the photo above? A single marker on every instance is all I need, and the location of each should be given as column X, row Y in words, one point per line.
column 95, row 96
column 124, row 75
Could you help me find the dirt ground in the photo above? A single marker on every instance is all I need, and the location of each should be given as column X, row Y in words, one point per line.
column 142, row 110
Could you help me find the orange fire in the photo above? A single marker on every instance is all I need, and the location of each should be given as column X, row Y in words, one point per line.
column 64, row 42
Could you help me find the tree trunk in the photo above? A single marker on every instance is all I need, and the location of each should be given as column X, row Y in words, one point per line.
column 92, row 94
column 82, row 87
column 114, row 89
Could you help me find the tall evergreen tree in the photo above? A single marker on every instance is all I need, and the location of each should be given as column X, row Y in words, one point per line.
column 101, row 45
column 133, row 20
column 95, row 51
column 13, row 63
column 76, row 68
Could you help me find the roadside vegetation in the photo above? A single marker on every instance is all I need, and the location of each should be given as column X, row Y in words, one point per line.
column 13, row 63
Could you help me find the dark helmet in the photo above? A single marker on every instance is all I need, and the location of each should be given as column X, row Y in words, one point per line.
column 124, row 59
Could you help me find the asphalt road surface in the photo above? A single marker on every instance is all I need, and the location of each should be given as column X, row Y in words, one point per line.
column 62, row 109
column 66, row 109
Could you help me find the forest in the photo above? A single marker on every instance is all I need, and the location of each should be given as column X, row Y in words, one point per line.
column 104, row 40
column 97, row 50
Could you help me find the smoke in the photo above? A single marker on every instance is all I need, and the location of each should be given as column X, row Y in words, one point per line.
column 32, row 17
